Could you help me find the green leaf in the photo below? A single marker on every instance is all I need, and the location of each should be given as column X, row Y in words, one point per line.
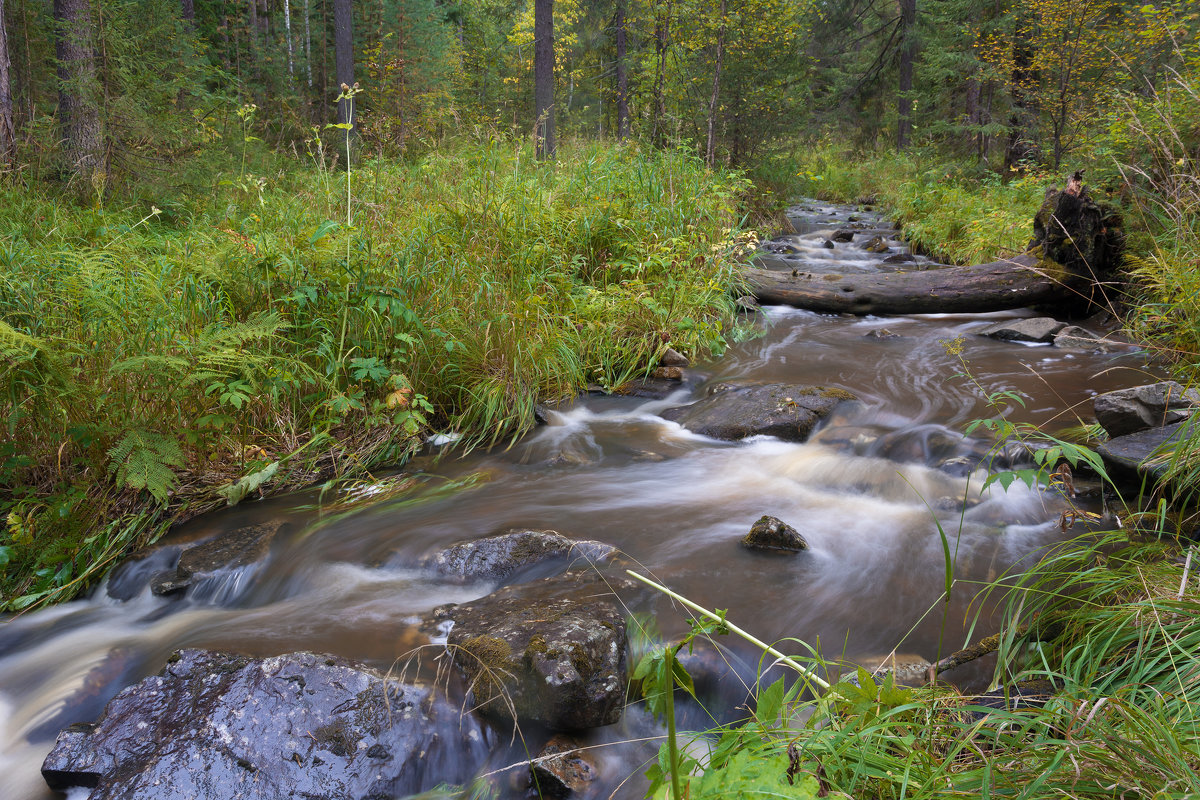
column 234, row 493
column 770, row 703
column 324, row 229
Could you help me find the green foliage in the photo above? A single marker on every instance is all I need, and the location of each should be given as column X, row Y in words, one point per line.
column 242, row 342
column 143, row 460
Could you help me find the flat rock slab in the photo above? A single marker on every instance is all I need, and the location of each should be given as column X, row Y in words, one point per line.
column 553, row 651
column 1077, row 338
column 215, row 726
column 1037, row 329
column 1130, row 410
column 241, row 547
column 786, row 411
column 1125, row 456
column 772, row 534
column 497, row 557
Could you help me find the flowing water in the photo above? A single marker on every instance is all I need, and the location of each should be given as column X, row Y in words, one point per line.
column 867, row 491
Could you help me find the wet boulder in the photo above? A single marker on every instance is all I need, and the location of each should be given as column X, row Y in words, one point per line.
column 1076, row 338
column 1037, row 329
column 843, row 235
column 497, row 557
column 213, row 726
column 786, row 411
column 774, row 535
column 238, row 549
column 1137, row 408
column 668, row 373
column 1128, row 459
column 876, row 244
column 562, row 769
column 673, row 358
column 900, row 258
column 552, row 651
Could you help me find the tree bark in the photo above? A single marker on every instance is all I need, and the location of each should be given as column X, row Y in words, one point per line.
column 710, row 150
column 8, row 131
column 1011, row 283
column 662, row 33
column 187, row 12
column 622, row 75
column 343, row 45
column 908, row 52
column 543, row 76
column 79, row 115
column 287, row 27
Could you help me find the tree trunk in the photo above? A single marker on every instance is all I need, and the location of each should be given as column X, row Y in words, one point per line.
column 187, row 12
column 710, row 150
column 908, row 52
column 287, row 28
column 308, row 41
column 79, row 115
column 622, row 76
column 661, row 41
column 543, row 76
column 343, row 45
column 8, row 131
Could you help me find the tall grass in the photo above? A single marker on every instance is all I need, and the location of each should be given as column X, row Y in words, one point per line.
column 248, row 339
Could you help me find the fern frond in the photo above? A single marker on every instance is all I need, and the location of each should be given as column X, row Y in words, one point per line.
column 143, row 459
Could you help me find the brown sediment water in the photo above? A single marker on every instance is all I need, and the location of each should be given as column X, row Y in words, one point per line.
column 868, row 493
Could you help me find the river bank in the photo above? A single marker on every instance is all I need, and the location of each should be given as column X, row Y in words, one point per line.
column 286, row 324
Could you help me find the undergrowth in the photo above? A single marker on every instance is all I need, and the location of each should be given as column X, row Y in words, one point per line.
column 158, row 361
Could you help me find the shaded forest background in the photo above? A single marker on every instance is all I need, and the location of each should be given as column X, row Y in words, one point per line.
column 112, row 88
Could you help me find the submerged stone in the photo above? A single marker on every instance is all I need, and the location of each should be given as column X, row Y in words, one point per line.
column 226, row 552
column 786, row 411
column 214, row 726
column 497, row 557
column 1037, row 329
column 774, row 535
column 562, row 769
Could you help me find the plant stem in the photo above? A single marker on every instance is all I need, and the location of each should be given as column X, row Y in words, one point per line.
column 672, row 746
column 791, row 662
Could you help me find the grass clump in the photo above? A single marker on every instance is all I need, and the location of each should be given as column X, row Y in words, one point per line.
column 1116, row 714
column 162, row 359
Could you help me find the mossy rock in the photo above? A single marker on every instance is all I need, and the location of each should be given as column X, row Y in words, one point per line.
column 553, row 651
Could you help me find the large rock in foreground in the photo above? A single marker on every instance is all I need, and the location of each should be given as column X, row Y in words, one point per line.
column 497, row 557
column 553, row 651
column 786, row 411
column 215, row 726
column 1140, row 407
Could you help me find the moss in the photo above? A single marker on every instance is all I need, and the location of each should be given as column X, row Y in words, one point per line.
column 336, row 737
column 489, row 660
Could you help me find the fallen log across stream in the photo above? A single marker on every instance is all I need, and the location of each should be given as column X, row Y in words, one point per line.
column 1075, row 253
column 1019, row 281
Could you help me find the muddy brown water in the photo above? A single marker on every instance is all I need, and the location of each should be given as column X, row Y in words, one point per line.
column 867, row 492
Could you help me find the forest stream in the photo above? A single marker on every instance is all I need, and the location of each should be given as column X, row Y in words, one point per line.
column 868, row 491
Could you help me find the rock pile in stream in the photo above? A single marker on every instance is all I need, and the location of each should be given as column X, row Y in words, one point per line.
column 215, row 726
